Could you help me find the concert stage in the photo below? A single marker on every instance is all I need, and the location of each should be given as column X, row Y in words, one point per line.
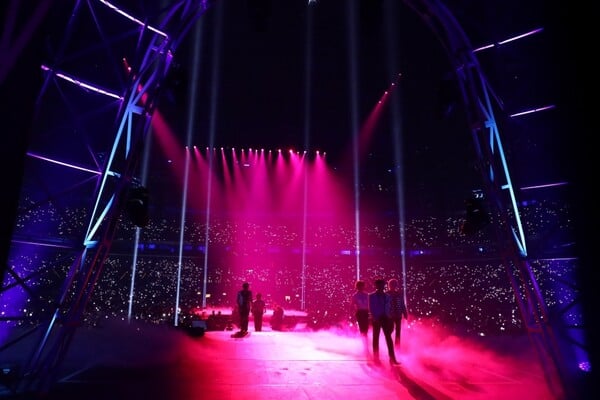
column 121, row 361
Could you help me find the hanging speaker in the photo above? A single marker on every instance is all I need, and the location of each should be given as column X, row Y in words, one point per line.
column 137, row 206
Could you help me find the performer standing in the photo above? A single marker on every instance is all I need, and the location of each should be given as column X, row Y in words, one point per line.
column 244, row 302
column 360, row 305
column 258, row 310
column 380, row 309
column 398, row 308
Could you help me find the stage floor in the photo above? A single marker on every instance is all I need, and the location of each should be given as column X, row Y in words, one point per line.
column 130, row 362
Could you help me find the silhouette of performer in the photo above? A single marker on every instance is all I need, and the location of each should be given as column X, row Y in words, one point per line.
column 380, row 309
column 398, row 309
column 360, row 304
column 277, row 318
column 258, row 310
column 244, row 302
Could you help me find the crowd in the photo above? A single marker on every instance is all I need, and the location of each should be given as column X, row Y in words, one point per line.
column 449, row 278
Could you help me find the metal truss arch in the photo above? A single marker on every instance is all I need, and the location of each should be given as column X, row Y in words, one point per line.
column 106, row 93
column 481, row 105
column 111, row 87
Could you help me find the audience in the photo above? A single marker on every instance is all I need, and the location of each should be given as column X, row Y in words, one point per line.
column 443, row 268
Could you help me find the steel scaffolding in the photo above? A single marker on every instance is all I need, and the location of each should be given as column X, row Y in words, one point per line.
column 93, row 116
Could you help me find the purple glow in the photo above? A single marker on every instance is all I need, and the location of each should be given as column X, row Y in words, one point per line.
column 585, row 366
column 63, row 163
column 533, row 110
column 63, row 246
column 137, row 21
column 521, row 36
column 82, row 84
column 544, row 186
column 533, row 32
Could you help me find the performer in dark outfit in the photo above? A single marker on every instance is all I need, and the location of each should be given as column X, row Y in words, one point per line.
column 360, row 306
column 380, row 309
column 244, row 302
column 258, row 310
column 277, row 318
column 398, row 309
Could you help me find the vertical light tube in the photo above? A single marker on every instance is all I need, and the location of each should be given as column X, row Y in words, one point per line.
column 398, row 145
column 182, row 229
column 353, row 82
column 133, row 272
column 216, row 57
column 136, row 242
column 189, row 136
column 207, row 226
column 307, row 128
